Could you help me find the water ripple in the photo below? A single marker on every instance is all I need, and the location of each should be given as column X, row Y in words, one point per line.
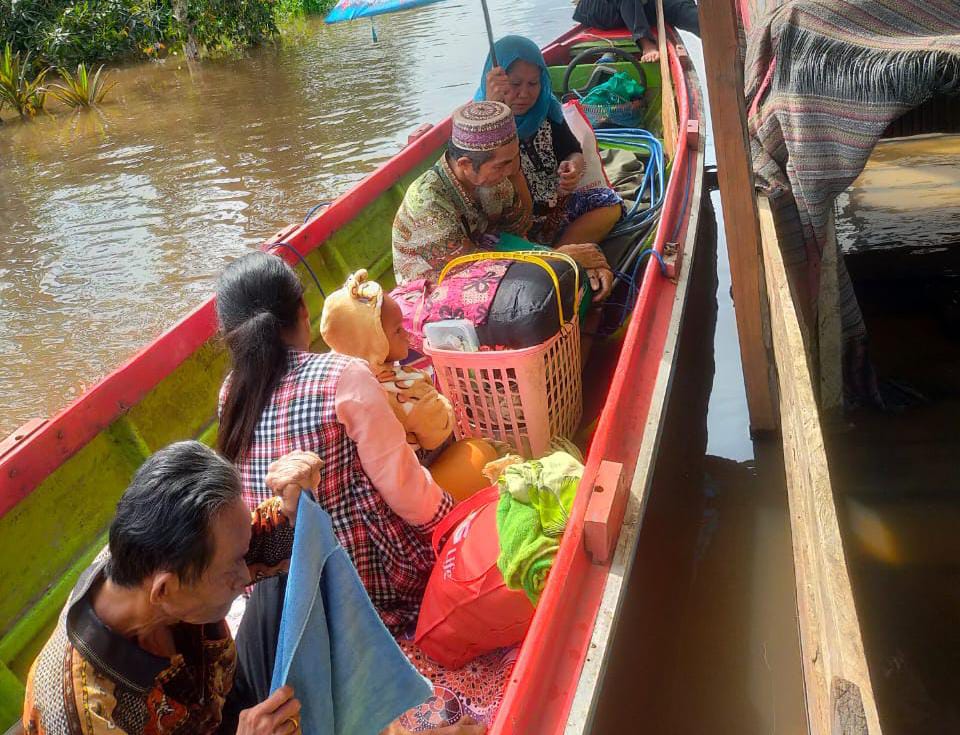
column 123, row 216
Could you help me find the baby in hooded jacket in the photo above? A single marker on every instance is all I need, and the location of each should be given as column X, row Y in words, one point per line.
column 362, row 321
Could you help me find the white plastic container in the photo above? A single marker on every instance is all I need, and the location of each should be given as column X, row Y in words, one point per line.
column 457, row 335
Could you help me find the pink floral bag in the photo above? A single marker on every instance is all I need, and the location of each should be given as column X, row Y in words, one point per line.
column 467, row 293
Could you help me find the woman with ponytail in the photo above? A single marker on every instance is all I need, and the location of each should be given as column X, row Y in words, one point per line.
column 280, row 397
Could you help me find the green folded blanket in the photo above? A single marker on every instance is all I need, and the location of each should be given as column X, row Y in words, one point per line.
column 536, row 498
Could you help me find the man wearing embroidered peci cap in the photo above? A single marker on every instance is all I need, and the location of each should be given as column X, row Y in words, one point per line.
column 473, row 193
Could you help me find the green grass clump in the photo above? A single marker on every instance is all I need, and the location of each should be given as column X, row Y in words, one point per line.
column 80, row 89
column 20, row 88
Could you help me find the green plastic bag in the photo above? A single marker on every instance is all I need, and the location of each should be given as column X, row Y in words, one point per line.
column 620, row 89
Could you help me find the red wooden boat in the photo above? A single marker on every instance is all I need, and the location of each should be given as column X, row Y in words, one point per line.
column 60, row 478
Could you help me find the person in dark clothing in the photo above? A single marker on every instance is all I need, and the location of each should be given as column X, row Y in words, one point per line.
column 640, row 18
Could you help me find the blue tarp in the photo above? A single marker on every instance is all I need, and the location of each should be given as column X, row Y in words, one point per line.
column 353, row 9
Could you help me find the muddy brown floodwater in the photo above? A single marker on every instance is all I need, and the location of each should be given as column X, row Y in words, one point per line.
column 896, row 473
column 114, row 223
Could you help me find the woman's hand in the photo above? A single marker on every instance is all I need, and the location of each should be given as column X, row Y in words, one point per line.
column 279, row 714
column 569, row 173
column 498, row 86
column 289, row 475
column 601, row 281
column 587, row 255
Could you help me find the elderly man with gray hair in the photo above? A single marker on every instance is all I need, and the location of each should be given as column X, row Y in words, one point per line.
column 474, row 194
column 142, row 644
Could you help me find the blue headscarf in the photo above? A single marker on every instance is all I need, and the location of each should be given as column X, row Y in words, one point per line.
column 518, row 48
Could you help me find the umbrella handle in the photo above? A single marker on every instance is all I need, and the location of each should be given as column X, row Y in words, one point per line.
column 486, row 19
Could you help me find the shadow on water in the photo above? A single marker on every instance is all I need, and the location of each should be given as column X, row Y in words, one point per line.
column 707, row 642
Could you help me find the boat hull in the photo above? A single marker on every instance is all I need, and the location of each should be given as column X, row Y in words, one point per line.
column 60, row 478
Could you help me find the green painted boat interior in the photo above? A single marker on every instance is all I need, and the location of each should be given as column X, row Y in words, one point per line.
column 52, row 535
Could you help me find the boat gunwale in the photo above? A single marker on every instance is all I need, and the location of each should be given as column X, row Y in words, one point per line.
column 542, row 688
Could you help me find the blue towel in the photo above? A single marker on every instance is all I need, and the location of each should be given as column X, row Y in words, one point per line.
column 346, row 669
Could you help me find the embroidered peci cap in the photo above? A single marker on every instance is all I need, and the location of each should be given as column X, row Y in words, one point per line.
column 482, row 126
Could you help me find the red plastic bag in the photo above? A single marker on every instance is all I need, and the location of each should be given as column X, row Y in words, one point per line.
column 467, row 609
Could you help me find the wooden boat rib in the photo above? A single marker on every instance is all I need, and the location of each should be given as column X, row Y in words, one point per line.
column 60, row 478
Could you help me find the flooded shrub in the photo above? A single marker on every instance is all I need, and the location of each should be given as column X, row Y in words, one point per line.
column 229, row 24
column 80, row 89
column 64, row 33
column 20, row 87
column 286, row 9
column 60, row 33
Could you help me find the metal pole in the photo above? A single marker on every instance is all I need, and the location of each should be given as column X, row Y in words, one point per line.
column 486, row 19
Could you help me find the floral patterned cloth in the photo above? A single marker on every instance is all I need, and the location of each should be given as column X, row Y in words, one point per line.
column 476, row 690
column 438, row 221
column 572, row 207
column 466, row 293
column 540, row 156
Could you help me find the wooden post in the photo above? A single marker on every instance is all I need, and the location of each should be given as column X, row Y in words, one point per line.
column 724, row 71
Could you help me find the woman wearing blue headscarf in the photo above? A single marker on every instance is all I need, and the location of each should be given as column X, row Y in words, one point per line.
column 550, row 155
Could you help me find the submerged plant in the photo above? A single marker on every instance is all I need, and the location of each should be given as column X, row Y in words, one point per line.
column 81, row 89
column 19, row 88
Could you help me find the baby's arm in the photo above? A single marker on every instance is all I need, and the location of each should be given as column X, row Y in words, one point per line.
column 386, row 458
column 427, row 414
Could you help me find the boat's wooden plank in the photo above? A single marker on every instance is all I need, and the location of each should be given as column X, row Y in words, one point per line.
column 27, row 430
column 724, row 72
column 11, row 695
column 46, row 531
column 668, row 109
column 581, row 74
column 828, row 321
column 605, row 512
column 839, row 694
